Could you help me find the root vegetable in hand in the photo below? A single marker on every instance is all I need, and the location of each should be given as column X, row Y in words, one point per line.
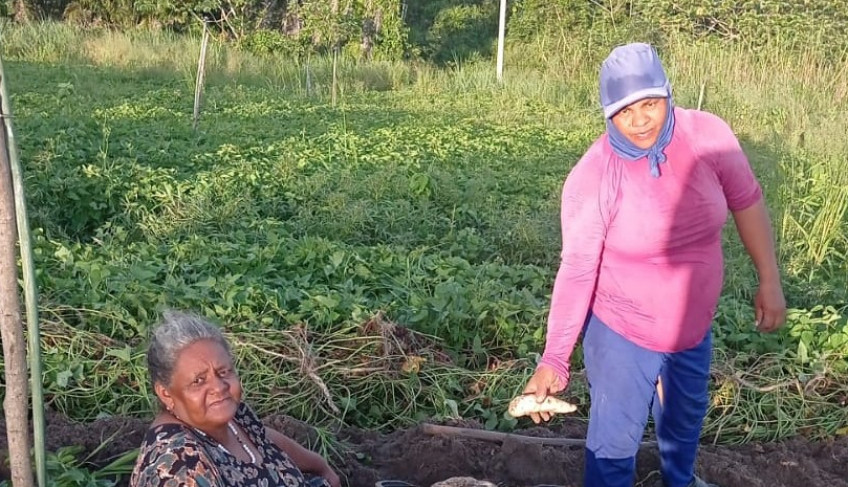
column 526, row 404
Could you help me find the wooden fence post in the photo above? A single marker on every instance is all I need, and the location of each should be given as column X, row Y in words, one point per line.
column 30, row 290
column 16, row 401
column 201, row 75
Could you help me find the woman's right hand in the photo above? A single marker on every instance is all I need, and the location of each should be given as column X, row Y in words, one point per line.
column 545, row 382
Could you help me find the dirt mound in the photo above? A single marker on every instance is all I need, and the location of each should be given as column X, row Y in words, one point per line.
column 419, row 457
column 423, row 459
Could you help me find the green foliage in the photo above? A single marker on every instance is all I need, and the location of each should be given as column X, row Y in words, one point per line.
column 34, row 9
column 822, row 333
column 420, row 15
column 399, row 247
column 361, row 25
column 796, row 23
column 66, row 469
column 265, row 41
column 120, row 13
column 754, row 21
column 540, row 18
column 449, row 30
column 452, row 30
column 463, row 30
column 290, row 27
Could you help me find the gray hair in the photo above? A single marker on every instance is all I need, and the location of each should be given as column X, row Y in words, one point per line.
column 176, row 331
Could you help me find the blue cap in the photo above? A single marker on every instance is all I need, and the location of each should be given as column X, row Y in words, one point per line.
column 631, row 73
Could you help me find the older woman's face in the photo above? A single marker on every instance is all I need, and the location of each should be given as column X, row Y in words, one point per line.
column 641, row 122
column 205, row 390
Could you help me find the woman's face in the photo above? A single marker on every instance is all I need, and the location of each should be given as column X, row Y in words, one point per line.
column 642, row 121
column 205, row 390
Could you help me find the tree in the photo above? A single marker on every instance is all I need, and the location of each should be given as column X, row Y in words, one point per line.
column 16, row 402
column 23, row 10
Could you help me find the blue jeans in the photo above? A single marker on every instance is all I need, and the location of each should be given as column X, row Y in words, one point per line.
column 623, row 390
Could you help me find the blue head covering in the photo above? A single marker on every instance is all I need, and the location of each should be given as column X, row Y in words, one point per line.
column 631, row 73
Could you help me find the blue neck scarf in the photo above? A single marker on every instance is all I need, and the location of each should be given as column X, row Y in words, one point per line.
column 626, row 150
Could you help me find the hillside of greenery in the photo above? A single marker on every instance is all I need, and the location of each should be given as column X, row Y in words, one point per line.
column 450, row 30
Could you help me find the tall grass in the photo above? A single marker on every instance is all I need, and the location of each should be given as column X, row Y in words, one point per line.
column 166, row 53
column 769, row 93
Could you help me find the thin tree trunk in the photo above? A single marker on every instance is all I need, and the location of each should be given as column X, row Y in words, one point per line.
column 335, row 74
column 369, row 30
column 201, row 74
column 15, row 404
column 22, row 11
column 334, row 10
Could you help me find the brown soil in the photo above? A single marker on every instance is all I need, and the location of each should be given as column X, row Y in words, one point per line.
column 423, row 459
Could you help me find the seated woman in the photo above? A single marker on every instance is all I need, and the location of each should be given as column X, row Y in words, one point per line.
column 205, row 435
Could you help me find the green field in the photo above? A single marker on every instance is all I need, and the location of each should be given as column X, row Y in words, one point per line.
column 389, row 257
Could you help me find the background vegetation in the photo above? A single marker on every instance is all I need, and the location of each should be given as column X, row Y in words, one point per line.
column 446, row 30
column 389, row 258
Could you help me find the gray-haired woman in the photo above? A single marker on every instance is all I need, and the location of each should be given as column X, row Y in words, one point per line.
column 205, row 435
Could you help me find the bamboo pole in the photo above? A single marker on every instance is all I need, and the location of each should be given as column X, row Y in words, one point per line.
column 501, row 31
column 16, row 401
column 334, row 11
column 30, row 289
column 201, row 74
column 335, row 74
column 499, row 437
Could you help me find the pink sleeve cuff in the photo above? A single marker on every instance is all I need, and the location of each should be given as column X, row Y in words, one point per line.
column 560, row 367
column 743, row 203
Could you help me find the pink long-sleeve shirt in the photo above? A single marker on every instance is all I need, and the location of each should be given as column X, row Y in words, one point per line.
column 644, row 254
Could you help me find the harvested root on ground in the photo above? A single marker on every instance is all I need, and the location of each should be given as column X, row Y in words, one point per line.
column 463, row 482
column 526, row 404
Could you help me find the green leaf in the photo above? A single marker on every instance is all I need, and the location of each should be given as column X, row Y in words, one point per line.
column 63, row 377
column 124, row 354
column 337, row 258
column 207, row 283
column 327, row 301
column 142, row 274
column 453, row 408
column 802, row 353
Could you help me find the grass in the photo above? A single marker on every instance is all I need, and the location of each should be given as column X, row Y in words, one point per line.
column 389, row 258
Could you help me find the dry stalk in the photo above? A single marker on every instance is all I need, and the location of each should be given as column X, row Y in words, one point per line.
column 806, row 387
column 308, row 367
column 264, row 350
column 305, row 361
column 337, row 365
column 388, row 335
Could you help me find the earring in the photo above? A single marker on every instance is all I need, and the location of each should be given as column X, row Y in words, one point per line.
column 173, row 413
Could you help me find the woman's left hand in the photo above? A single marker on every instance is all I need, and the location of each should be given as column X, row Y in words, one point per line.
column 770, row 307
column 331, row 476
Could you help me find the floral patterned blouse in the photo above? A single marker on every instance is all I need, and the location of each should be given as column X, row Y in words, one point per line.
column 175, row 455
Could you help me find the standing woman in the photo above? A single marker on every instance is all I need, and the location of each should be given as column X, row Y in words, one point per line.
column 642, row 269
